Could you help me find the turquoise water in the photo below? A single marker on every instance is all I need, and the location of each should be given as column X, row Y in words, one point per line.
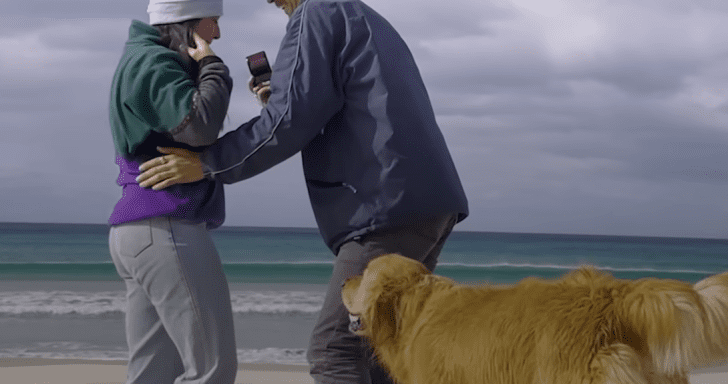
column 60, row 296
column 275, row 255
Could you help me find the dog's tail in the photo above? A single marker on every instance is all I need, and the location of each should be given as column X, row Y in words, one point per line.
column 713, row 292
column 683, row 326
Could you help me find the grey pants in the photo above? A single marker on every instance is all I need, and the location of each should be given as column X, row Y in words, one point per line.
column 335, row 355
column 179, row 323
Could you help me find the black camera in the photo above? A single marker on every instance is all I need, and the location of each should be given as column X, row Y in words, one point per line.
column 259, row 68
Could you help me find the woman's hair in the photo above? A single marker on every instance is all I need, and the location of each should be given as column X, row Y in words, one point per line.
column 177, row 37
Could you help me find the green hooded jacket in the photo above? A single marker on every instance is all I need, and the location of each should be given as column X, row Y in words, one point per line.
column 153, row 91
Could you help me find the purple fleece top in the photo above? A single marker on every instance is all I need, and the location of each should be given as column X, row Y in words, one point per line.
column 203, row 201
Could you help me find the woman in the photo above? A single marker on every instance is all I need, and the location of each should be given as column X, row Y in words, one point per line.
column 171, row 89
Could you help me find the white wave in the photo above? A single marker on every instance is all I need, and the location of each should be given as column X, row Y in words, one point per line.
column 113, row 303
column 283, row 262
column 62, row 303
column 277, row 302
column 87, row 351
column 571, row 267
column 65, row 350
column 272, row 355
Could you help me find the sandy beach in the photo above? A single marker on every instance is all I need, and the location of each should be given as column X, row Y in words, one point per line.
column 66, row 371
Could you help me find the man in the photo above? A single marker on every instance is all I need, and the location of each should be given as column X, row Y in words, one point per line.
column 346, row 92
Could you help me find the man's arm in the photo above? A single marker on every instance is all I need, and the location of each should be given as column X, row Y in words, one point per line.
column 304, row 96
column 182, row 166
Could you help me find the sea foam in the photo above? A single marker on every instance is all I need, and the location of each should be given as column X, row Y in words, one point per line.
column 43, row 304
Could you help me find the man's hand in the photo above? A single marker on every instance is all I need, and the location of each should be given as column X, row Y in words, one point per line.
column 260, row 91
column 178, row 166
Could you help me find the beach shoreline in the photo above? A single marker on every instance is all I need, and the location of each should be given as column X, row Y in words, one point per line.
column 79, row 371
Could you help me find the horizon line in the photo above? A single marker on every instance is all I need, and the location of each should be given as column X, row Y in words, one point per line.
column 315, row 229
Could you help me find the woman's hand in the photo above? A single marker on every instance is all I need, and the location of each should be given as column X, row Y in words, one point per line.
column 260, row 91
column 203, row 48
column 178, row 166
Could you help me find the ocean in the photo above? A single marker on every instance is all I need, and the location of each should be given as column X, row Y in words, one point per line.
column 60, row 296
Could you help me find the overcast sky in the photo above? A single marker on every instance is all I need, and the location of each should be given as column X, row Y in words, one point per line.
column 562, row 116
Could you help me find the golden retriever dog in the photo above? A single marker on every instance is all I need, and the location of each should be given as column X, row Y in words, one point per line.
column 585, row 328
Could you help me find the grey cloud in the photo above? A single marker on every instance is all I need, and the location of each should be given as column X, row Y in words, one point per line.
column 55, row 197
column 100, row 37
column 624, row 138
column 678, row 7
column 415, row 20
column 75, row 9
column 642, row 74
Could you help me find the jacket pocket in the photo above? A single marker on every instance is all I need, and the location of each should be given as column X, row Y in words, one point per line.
column 132, row 240
column 338, row 207
column 328, row 184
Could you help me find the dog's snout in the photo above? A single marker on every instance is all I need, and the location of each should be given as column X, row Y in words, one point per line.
column 345, row 281
column 355, row 324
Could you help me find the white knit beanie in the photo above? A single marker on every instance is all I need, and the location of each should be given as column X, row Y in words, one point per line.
column 175, row 11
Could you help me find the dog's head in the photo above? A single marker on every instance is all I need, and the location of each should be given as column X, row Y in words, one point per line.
column 372, row 298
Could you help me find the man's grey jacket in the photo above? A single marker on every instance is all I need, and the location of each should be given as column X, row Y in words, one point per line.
column 347, row 93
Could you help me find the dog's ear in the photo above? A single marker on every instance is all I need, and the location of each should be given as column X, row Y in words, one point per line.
column 386, row 278
column 383, row 307
column 383, row 318
column 392, row 274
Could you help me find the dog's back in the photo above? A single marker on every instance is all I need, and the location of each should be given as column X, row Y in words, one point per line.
column 536, row 331
column 585, row 328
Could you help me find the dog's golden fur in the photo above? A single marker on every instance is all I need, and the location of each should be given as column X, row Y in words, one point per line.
column 585, row 328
